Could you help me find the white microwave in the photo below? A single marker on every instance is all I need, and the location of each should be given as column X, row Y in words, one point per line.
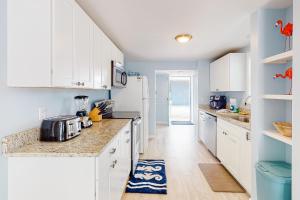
column 119, row 76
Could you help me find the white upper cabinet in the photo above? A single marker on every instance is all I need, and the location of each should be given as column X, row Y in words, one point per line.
column 29, row 43
column 63, row 45
column 83, row 37
column 54, row 43
column 229, row 73
column 106, row 63
column 118, row 56
column 98, row 56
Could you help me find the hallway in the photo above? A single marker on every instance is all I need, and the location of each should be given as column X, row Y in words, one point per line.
column 179, row 147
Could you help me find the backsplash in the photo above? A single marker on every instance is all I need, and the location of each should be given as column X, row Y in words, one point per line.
column 240, row 97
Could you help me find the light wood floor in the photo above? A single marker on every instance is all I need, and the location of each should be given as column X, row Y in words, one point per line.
column 179, row 147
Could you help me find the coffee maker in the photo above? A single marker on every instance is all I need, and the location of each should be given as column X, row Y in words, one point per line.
column 217, row 102
column 82, row 107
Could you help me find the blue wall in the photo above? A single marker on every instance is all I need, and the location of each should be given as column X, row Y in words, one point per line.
column 180, row 92
column 148, row 69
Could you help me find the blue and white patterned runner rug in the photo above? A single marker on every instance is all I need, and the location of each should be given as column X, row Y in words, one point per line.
column 149, row 177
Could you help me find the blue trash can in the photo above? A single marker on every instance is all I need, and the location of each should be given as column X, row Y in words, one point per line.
column 273, row 180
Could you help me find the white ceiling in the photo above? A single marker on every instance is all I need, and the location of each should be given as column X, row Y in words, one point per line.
column 145, row 29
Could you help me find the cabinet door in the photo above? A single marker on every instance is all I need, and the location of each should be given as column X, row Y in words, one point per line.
column 245, row 160
column 238, row 71
column 121, row 59
column 232, row 153
column 212, row 75
column 119, row 56
column 221, row 145
column 116, row 171
column 222, row 74
column 83, row 49
column 63, row 48
column 98, row 57
column 29, row 43
column 106, row 64
column 126, row 152
column 102, row 176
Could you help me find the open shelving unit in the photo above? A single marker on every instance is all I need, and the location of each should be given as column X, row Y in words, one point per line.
column 277, row 136
column 269, row 96
column 281, row 58
column 284, row 97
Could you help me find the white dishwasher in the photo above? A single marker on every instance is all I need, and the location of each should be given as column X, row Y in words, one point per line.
column 208, row 132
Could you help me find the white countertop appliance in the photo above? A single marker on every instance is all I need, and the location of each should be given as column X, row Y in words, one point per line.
column 135, row 97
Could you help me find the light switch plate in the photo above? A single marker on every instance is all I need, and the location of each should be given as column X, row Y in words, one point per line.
column 42, row 113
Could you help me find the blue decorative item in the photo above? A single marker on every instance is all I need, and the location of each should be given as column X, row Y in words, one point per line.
column 149, row 177
column 130, row 73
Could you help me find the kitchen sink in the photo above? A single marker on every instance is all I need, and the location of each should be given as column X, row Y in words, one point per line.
column 245, row 119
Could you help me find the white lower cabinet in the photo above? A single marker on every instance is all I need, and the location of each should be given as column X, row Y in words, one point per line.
column 234, row 151
column 73, row 178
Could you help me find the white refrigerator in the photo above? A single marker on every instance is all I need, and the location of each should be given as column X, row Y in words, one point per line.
column 135, row 97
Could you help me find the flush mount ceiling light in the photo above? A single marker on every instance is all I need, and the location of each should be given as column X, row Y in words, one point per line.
column 183, row 38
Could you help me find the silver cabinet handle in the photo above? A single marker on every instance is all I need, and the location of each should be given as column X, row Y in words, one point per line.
column 128, row 140
column 104, row 86
column 76, row 83
column 248, row 138
column 113, row 151
column 113, row 165
column 82, row 84
column 127, row 132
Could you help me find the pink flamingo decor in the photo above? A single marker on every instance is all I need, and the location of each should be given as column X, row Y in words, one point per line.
column 286, row 31
column 288, row 74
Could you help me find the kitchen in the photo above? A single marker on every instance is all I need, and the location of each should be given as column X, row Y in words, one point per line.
column 67, row 51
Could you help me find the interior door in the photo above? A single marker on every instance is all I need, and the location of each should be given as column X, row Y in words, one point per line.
column 162, row 98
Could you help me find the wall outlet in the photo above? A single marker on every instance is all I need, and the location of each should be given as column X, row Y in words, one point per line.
column 42, row 113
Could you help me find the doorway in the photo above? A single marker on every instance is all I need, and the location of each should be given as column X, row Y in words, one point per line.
column 180, row 99
column 176, row 97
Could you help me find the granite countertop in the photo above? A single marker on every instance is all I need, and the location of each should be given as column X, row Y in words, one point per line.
column 89, row 143
column 225, row 116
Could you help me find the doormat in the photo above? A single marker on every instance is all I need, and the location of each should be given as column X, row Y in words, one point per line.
column 219, row 179
column 181, row 123
column 149, row 177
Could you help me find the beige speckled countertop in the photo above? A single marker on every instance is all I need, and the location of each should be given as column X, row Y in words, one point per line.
column 225, row 116
column 89, row 143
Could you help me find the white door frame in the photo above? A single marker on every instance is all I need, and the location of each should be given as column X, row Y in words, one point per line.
column 194, row 95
